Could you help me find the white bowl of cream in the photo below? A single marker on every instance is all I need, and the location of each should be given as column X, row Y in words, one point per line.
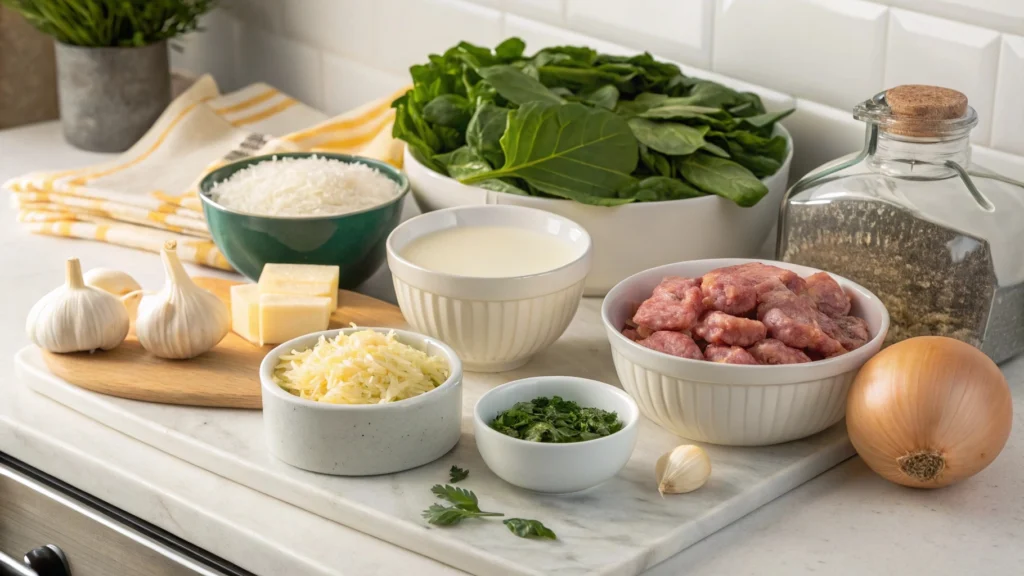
column 496, row 283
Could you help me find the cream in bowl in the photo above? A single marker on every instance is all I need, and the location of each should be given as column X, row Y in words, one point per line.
column 496, row 283
column 584, row 438
column 361, row 401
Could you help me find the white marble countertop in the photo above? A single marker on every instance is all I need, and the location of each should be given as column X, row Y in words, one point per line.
column 846, row 521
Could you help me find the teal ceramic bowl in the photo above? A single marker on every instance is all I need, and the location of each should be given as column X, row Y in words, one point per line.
column 355, row 242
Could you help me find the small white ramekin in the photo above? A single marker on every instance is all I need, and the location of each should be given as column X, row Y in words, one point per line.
column 494, row 324
column 555, row 468
column 366, row 439
column 733, row 404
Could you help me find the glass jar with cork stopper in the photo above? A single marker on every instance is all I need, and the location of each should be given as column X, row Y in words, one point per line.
column 937, row 238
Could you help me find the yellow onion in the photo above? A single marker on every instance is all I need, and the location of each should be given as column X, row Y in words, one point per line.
column 929, row 411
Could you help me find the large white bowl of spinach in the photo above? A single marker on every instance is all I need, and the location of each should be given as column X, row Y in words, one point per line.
column 657, row 166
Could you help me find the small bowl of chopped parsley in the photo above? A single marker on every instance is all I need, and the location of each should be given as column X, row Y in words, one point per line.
column 556, row 434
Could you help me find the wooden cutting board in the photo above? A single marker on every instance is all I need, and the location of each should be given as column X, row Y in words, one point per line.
column 225, row 377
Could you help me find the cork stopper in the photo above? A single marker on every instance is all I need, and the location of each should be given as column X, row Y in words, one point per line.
column 916, row 108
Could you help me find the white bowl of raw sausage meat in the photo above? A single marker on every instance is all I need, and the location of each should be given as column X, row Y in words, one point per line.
column 737, row 404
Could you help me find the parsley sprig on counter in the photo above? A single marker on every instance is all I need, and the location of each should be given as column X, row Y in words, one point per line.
column 464, row 504
column 555, row 420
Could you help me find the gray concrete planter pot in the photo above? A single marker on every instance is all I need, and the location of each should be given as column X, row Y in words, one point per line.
column 109, row 97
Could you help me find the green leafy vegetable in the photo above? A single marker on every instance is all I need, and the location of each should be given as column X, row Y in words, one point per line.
column 555, row 420
column 668, row 137
column 456, row 474
column 723, row 177
column 529, row 529
column 463, row 163
column 464, row 506
column 450, row 515
column 485, row 131
column 567, row 150
column 517, row 87
column 661, row 188
column 460, row 497
column 571, row 123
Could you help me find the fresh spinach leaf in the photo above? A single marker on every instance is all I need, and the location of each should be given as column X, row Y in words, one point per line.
column 517, row 87
column 765, row 120
column 485, row 131
column 449, row 110
column 510, row 50
column 567, row 150
column 656, row 162
column 722, row 177
column 668, row 137
column 500, row 185
column 661, row 188
column 529, row 529
column 604, row 97
column 678, row 109
column 462, row 163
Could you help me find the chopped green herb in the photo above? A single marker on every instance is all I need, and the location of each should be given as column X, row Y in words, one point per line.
column 456, row 474
column 529, row 528
column 555, row 420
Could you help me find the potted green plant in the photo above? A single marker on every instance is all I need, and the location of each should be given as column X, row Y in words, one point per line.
column 113, row 74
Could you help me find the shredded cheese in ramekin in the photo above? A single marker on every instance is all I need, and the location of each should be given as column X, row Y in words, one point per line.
column 364, row 367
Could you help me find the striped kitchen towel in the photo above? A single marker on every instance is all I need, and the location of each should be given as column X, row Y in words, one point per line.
column 148, row 195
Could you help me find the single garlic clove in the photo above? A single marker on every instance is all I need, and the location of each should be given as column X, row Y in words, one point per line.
column 684, row 469
column 111, row 281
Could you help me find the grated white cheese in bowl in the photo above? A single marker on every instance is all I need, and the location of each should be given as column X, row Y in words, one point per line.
column 314, row 186
column 364, row 367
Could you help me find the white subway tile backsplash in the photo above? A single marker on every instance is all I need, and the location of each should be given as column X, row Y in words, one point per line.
column 928, row 50
column 285, row 64
column 1008, row 113
column 821, row 134
column 347, row 27
column 550, row 11
column 210, row 50
column 1005, row 15
column 265, row 14
column 391, row 34
column 349, row 84
column 829, row 51
column 679, row 30
column 538, row 36
column 1002, row 163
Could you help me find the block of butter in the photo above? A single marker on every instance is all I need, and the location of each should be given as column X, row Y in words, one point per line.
column 284, row 316
column 301, row 280
column 245, row 311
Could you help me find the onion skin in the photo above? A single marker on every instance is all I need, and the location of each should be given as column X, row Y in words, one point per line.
column 929, row 411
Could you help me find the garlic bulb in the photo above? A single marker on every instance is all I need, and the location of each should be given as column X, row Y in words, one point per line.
column 182, row 320
column 77, row 318
column 111, row 281
column 682, row 470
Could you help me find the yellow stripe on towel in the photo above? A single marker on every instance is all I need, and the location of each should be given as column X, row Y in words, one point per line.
column 264, row 114
column 248, row 103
